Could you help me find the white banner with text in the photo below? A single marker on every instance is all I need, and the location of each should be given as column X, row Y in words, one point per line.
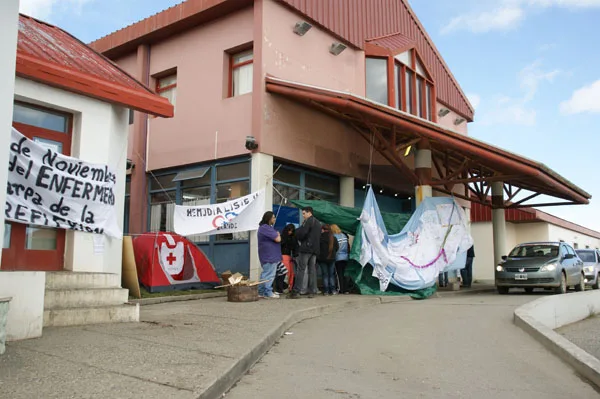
column 46, row 188
column 241, row 214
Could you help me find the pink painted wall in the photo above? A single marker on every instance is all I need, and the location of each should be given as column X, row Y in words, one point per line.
column 202, row 108
column 448, row 121
column 299, row 133
column 129, row 64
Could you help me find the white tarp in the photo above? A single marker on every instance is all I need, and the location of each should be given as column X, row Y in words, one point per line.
column 241, row 214
column 46, row 188
column 435, row 239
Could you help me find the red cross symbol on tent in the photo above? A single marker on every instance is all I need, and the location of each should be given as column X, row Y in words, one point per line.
column 171, row 258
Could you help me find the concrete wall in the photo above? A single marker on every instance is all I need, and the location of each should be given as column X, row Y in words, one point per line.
column 100, row 136
column 9, row 17
column 26, row 310
column 297, row 132
column 207, row 124
column 483, row 264
column 527, row 232
column 104, row 141
column 448, row 120
column 556, row 233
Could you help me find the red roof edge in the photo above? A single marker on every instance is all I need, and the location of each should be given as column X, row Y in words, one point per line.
column 71, row 80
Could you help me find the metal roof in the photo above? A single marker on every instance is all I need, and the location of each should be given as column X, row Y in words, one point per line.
column 398, row 126
column 393, row 42
column 353, row 21
column 50, row 55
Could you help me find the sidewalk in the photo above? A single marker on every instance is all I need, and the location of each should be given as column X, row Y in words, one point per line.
column 190, row 349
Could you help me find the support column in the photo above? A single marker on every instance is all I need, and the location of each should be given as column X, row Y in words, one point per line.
column 260, row 177
column 423, row 165
column 347, row 191
column 498, row 222
column 138, row 208
column 9, row 19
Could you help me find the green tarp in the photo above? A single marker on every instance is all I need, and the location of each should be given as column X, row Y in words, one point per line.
column 347, row 219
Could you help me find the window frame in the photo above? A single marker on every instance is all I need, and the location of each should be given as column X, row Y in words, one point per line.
column 424, row 107
column 173, row 86
column 176, row 190
column 233, row 66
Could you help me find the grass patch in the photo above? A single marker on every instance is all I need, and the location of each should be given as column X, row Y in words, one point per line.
column 146, row 294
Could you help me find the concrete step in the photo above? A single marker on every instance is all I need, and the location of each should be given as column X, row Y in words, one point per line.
column 93, row 315
column 84, row 297
column 74, row 280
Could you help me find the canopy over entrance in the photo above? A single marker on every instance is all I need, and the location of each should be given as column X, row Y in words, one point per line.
column 458, row 159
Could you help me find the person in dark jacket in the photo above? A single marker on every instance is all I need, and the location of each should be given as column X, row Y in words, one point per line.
column 308, row 236
column 467, row 272
column 328, row 249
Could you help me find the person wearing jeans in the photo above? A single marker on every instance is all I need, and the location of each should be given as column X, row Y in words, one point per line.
column 341, row 257
column 308, row 236
column 269, row 254
column 327, row 251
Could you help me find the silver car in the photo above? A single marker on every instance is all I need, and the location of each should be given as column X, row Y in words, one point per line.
column 540, row 265
column 591, row 266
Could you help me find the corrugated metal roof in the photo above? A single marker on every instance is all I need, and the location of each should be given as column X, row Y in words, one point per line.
column 392, row 42
column 52, row 44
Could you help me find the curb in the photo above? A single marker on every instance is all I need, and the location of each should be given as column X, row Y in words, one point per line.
column 477, row 290
column 584, row 363
column 220, row 385
column 178, row 298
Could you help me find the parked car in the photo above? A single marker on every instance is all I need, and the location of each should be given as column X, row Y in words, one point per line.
column 591, row 266
column 540, row 265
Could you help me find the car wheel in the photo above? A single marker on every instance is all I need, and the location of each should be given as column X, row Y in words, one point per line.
column 596, row 286
column 529, row 290
column 562, row 288
column 502, row 290
column 581, row 285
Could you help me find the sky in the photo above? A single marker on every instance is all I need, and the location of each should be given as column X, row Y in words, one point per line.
column 528, row 67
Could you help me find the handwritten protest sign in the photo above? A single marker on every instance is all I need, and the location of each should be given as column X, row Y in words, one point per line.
column 237, row 215
column 46, row 188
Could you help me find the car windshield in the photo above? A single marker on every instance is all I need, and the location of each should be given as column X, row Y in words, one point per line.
column 533, row 250
column 586, row 256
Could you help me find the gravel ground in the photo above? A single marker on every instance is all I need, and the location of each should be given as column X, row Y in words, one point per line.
column 585, row 334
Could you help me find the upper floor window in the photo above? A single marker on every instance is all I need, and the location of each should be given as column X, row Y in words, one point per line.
column 241, row 72
column 412, row 87
column 411, row 79
column 377, row 80
column 166, row 87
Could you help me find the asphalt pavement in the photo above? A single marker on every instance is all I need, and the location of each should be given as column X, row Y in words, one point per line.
column 452, row 347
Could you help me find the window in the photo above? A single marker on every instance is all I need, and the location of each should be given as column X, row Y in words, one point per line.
column 413, row 89
column 38, row 117
column 241, row 73
column 376, row 81
column 201, row 185
column 131, row 116
column 167, row 87
column 410, row 91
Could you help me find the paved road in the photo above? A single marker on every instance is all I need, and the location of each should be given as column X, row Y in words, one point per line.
column 461, row 347
column 585, row 334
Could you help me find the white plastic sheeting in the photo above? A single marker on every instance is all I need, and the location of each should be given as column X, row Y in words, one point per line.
column 435, row 239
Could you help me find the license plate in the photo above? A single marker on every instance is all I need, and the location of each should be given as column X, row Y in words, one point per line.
column 522, row 276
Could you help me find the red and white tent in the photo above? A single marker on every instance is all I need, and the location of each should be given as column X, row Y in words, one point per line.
column 168, row 261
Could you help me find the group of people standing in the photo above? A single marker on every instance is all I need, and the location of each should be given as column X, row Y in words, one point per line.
column 297, row 252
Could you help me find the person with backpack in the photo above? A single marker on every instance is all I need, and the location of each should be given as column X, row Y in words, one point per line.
column 327, row 253
column 341, row 257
